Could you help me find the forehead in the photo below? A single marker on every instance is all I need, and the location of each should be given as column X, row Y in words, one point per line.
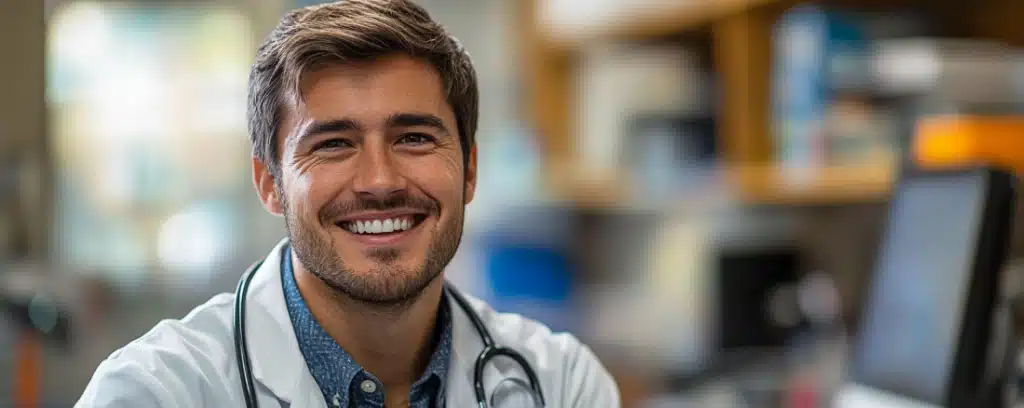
column 372, row 90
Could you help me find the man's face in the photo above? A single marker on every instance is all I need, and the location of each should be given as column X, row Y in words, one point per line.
column 372, row 185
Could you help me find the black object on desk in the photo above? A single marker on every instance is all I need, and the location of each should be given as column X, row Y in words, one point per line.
column 926, row 339
column 754, row 284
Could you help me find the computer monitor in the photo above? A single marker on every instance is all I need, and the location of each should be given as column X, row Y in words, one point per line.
column 924, row 337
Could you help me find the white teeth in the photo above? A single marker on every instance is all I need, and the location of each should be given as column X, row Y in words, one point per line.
column 380, row 226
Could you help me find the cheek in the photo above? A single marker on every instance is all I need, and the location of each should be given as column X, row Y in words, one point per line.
column 439, row 177
column 312, row 190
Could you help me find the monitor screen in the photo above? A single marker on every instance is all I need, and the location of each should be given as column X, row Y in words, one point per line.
column 909, row 333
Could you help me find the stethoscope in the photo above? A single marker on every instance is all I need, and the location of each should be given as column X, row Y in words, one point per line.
column 490, row 351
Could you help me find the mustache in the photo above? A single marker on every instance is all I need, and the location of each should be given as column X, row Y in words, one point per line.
column 339, row 209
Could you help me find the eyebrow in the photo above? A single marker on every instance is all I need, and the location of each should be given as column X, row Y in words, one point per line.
column 417, row 119
column 330, row 126
column 396, row 120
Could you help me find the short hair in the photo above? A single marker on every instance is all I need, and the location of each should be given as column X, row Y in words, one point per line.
column 353, row 30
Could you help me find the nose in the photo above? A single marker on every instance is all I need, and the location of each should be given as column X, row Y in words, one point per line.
column 377, row 177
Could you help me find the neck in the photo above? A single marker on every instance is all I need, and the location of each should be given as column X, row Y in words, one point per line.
column 394, row 343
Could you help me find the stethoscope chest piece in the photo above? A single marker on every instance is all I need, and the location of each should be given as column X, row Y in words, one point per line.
column 512, row 388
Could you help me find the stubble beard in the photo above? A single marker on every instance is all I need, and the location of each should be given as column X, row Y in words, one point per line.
column 387, row 285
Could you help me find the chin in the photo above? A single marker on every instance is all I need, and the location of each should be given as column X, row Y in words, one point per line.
column 388, row 284
column 385, row 263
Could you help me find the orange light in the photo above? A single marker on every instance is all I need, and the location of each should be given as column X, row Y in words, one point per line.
column 970, row 139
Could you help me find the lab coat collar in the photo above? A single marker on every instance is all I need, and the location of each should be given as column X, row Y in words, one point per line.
column 277, row 361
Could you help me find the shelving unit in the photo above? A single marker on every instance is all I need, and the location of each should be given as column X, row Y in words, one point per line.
column 734, row 36
column 739, row 33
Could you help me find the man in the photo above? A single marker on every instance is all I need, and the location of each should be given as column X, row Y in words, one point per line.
column 362, row 116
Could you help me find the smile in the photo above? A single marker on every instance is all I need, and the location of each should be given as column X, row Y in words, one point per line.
column 381, row 226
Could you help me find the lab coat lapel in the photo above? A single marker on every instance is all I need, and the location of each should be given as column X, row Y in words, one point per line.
column 466, row 347
column 278, row 364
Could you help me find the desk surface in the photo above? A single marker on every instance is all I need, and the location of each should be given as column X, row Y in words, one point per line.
column 858, row 396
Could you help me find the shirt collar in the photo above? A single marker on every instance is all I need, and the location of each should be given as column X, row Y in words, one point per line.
column 336, row 372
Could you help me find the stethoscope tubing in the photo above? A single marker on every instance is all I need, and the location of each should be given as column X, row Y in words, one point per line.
column 241, row 345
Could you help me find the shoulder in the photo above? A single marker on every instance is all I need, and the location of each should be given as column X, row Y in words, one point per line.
column 585, row 380
column 172, row 361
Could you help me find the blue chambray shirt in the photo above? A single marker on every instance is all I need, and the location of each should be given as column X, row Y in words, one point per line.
column 343, row 382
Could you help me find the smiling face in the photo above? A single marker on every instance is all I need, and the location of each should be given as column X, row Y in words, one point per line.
column 372, row 186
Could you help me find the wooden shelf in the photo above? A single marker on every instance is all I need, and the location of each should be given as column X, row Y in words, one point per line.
column 812, row 186
column 572, row 185
column 747, row 185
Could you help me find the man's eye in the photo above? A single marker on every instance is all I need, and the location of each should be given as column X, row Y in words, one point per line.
column 416, row 139
column 333, row 144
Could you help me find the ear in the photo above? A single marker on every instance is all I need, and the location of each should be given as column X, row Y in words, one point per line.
column 263, row 180
column 470, row 176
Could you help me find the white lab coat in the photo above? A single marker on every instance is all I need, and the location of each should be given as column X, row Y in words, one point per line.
column 191, row 362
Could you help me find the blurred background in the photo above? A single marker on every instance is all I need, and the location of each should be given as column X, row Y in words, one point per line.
column 695, row 188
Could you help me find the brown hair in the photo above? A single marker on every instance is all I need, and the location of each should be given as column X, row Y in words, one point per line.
column 353, row 30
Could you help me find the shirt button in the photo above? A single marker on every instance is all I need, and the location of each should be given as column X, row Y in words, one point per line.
column 368, row 386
